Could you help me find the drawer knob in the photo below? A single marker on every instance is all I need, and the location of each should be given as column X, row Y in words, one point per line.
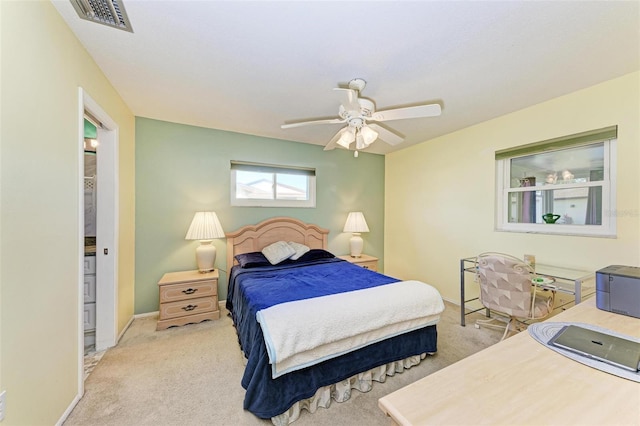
column 190, row 290
column 189, row 307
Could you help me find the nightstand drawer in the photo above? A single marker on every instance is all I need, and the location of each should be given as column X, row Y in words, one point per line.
column 188, row 307
column 175, row 292
column 364, row 261
column 373, row 265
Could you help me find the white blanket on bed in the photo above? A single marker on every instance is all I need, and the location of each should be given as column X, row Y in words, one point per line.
column 305, row 332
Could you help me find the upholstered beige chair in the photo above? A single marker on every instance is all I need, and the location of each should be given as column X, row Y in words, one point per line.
column 506, row 288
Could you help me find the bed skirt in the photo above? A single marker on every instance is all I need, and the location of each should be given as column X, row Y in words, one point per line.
column 341, row 391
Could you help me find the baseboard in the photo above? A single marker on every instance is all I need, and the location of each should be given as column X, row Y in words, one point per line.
column 69, row 410
column 124, row 329
column 454, row 302
column 146, row 315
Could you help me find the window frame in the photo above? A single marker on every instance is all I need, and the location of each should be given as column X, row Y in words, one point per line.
column 275, row 170
column 607, row 229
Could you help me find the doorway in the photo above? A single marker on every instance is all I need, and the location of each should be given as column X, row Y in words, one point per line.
column 106, row 227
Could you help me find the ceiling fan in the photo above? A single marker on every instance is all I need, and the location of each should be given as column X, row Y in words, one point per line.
column 361, row 118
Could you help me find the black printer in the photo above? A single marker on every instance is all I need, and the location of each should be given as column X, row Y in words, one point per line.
column 618, row 290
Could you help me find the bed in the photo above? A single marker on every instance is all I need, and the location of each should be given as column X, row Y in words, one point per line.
column 314, row 328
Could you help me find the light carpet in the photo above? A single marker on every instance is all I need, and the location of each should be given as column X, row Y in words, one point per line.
column 191, row 375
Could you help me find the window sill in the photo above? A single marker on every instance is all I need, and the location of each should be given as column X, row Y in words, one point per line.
column 559, row 230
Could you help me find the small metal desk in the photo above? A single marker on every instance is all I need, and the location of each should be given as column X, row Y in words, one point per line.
column 567, row 280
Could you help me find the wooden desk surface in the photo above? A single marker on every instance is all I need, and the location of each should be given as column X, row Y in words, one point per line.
column 521, row 382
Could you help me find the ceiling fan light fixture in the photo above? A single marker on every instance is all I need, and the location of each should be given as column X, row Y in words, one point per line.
column 346, row 138
column 368, row 135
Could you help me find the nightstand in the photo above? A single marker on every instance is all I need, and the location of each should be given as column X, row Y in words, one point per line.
column 187, row 297
column 366, row 261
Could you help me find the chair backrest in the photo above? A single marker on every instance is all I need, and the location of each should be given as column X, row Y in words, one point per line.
column 505, row 284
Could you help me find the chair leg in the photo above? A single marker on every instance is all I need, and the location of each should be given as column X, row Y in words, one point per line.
column 490, row 323
column 506, row 330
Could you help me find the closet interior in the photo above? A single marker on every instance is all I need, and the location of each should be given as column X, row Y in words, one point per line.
column 90, row 216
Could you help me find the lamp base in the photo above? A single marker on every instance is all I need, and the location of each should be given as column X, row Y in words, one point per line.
column 205, row 256
column 356, row 244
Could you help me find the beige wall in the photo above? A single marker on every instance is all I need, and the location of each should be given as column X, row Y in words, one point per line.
column 43, row 64
column 440, row 194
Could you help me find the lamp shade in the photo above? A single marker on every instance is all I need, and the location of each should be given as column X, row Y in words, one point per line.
column 205, row 226
column 356, row 223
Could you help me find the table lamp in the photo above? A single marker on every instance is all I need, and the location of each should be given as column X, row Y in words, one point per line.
column 356, row 224
column 205, row 226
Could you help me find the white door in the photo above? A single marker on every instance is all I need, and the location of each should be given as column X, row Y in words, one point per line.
column 106, row 240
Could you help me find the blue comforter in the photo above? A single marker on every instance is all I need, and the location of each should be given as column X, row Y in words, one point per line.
column 251, row 290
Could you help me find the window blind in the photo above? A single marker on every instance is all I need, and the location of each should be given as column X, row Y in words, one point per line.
column 559, row 143
column 272, row 168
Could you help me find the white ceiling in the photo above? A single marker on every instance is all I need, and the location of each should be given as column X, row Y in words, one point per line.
column 250, row 66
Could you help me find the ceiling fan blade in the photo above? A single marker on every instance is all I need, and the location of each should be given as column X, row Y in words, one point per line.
column 430, row 110
column 386, row 135
column 350, row 99
column 333, row 143
column 307, row 123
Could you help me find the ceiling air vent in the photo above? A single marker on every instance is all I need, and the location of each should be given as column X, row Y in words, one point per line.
column 106, row 12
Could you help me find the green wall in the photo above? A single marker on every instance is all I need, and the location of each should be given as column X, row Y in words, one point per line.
column 182, row 169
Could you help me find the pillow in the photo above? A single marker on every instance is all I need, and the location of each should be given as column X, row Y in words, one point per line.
column 277, row 252
column 314, row 254
column 299, row 248
column 252, row 260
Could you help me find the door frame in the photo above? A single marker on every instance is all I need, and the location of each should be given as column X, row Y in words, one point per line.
column 107, row 222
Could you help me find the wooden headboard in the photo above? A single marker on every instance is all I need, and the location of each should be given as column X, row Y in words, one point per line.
column 252, row 238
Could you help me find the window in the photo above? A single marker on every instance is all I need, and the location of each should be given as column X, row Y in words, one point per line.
column 266, row 185
column 562, row 186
